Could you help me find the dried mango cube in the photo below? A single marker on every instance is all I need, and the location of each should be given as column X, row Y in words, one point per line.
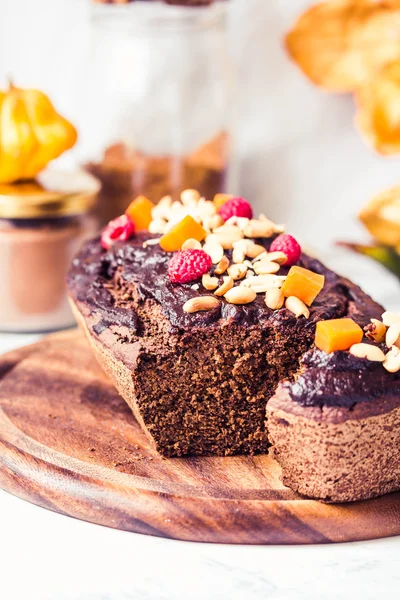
column 139, row 211
column 220, row 199
column 182, row 231
column 337, row 334
column 303, row 284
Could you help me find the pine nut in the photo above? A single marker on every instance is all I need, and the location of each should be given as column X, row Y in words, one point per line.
column 225, row 287
column 274, row 298
column 190, row 196
column 389, row 318
column 191, row 243
column 202, row 303
column 222, row 265
column 237, row 271
column 367, row 351
column 392, row 360
column 297, row 307
column 264, row 267
column 393, row 335
column 214, row 250
column 376, row 331
column 210, row 283
column 240, row 295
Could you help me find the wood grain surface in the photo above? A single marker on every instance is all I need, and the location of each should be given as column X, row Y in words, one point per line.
column 69, row 443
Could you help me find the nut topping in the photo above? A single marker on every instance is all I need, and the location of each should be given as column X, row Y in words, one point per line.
column 214, row 249
column 190, row 197
column 254, row 250
column 375, row 331
column 259, row 229
column 158, row 226
column 297, row 307
column 222, row 265
column 191, row 243
column 274, row 298
column 237, row 271
column 225, row 287
column 367, row 351
column 240, row 295
column 239, row 252
column 389, row 318
column 393, row 336
column 202, row 303
column 264, row 267
column 392, row 360
column 278, row 257
column 210, row 283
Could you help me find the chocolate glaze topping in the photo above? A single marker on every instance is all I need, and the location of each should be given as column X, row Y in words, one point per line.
column 338, row 379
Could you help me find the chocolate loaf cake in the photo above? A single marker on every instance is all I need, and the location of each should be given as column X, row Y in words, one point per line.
column 198, row 348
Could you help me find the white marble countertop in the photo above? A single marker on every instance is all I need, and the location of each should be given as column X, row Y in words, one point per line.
column 47, row 556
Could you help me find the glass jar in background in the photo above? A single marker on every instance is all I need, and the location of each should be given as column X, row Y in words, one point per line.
column 156, row 112
column 42, row 226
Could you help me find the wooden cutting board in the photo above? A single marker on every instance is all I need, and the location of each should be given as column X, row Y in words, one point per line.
column 69, row 443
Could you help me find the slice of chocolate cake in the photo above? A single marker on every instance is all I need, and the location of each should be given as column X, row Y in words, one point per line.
column 336, row 429
column 197, row 337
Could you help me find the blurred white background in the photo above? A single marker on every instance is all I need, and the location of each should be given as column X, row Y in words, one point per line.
column 300, row 158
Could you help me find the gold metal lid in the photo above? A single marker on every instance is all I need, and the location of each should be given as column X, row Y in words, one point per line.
column 52, row 194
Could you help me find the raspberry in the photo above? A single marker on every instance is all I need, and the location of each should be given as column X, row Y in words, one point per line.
column 235, row 207
column 288, row 245
column 188, row 265
column 121, row 228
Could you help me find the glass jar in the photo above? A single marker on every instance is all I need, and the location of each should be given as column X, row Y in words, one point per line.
column 42, row 226
column 155, row 115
